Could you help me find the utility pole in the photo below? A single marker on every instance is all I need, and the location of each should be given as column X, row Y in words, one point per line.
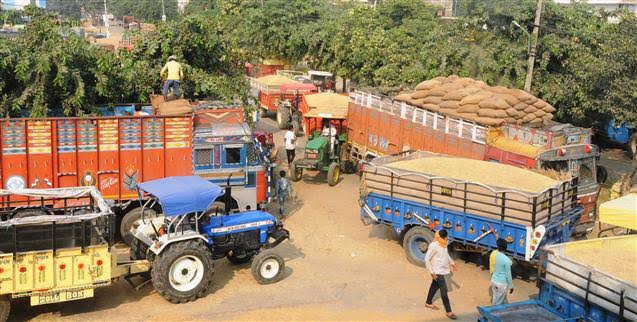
column 106, row 22
column 163, row 11
column 532, row 54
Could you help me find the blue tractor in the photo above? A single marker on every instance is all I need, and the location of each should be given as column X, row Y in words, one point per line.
column 191, row 231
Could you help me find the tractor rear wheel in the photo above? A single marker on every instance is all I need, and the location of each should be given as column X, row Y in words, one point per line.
column 267, row 267
column 333, row 174
column 296, row 172
column 283, row 117
column 415, row 243
column 183, row 272
column 129, row 219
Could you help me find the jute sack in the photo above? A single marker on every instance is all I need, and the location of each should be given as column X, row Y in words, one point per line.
column 416, row 102
column 467, row 116
column 512, row 112
column 511, row 120
column 539, row 113
column 510, row 99
column 537, row 122
column 528, row 118
column 501, row 103
column 549, row 108
column 474, row 98
column 540, row 104
column 406, row 97
column 420, row 94
column 465, row 81
column 488, row 103
column 480, row 84
column 548, row 116
column 449, row 105
column 469, row 108
column 449, row 87
column 522, row 95
column 530, row 100
column 493, row 113
column 520, row 106
column 431, row 107
column 499, row 90
column 437, row 92
column 472, row 89
column 456, row 95
column 530, row 109
column 447, row 111
column 489, row 121
column 428, row 84
column 432, row 100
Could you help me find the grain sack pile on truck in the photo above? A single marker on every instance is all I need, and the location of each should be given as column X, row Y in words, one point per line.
column 474, row 100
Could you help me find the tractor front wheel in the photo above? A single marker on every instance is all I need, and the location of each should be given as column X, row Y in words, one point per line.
column 268, row 267
column 296, row 172
column 415, row 243
column 283, row 117
column 183, row 272
column 333, row 174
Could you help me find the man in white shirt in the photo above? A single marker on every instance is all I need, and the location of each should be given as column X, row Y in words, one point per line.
column 439, row 264
column 290, row 144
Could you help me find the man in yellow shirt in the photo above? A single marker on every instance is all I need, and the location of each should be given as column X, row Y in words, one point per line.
column 173, row 72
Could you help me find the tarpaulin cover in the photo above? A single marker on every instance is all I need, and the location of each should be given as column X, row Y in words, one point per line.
column 620, row 212
column 182, row 195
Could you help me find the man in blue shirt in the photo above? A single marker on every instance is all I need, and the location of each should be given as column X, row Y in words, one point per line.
column 283, row 190
column 500, row 267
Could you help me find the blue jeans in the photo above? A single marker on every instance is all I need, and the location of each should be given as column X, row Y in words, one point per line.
column 175, row 86
column 282, row 204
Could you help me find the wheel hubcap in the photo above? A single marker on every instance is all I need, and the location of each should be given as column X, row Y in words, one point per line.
column 419, row 247
column 270, row 268
column 186, row 273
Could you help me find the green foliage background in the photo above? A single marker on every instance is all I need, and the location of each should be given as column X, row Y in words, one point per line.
column 585, row 64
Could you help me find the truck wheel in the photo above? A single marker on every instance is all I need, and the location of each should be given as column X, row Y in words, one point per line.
column 296, row 172
column 415, row 243
column 239, row 257
column 268, row 267
column 298, row 131
column 129, row 219
column 283, row 117
column 183, row 272
column 25, row 213
column 138, row 250
column 602, row 174
column 333, row 174
column 5, row 308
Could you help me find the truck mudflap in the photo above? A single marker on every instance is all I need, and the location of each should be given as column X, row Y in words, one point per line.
column 279, row 235
column 525, row 311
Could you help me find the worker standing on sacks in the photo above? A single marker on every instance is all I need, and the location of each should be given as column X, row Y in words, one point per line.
column 173, row 73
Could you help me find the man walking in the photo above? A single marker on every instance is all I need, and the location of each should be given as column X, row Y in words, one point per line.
column 500, row 267
column 290, row 143
column 283, row 190
column 174, row 73
column 439, row 264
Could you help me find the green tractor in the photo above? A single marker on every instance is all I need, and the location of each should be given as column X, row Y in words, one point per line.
column 324, row 147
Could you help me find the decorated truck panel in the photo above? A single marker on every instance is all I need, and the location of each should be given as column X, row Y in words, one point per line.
column 380, row 126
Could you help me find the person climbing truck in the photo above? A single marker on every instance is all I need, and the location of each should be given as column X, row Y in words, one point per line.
column 174, row 73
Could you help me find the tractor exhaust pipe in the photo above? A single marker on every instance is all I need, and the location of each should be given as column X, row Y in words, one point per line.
column 228, row 195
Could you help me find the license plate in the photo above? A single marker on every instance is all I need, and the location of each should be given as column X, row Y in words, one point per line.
column 61, row 296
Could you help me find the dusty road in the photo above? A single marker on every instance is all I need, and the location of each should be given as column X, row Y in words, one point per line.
column 337, row 269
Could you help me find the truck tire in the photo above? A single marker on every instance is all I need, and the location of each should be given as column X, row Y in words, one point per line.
column 415, row 243
column 298, row 131
column 183, row 272
column 296, row 173
column 267, row 267
column 5, row 308
column 602, row 174
column 129, row 219
column 239, row 257
column 632, row 145
column 333, row 174
column 138, row 250
column 283, row 117
column 30, row 212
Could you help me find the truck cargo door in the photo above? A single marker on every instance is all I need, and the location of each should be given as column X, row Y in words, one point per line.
column 87, row 161
column 14, row 156
column 153, row 164
column 108, row 166
column 40, row 154
column 178, row 158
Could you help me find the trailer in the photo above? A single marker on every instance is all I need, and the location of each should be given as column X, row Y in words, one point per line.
column 114, row 154
column 415, row 204
column 576, row 285
column 379, row 126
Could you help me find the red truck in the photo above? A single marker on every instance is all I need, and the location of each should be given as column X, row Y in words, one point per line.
column 115, row 153
column 379, row 126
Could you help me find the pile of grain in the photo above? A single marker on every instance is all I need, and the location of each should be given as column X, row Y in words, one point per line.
column 327, row 100
column 275, row 80
column 475, row 101
column 487, row 173
column 615, row 260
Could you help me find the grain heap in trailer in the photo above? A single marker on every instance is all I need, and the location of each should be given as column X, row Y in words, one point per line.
column 467, row 118
column 475, row 201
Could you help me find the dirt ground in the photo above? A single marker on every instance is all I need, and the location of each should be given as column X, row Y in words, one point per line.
column 336, row 269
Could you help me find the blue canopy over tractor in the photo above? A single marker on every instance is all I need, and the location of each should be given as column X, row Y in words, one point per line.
column 182, row 195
